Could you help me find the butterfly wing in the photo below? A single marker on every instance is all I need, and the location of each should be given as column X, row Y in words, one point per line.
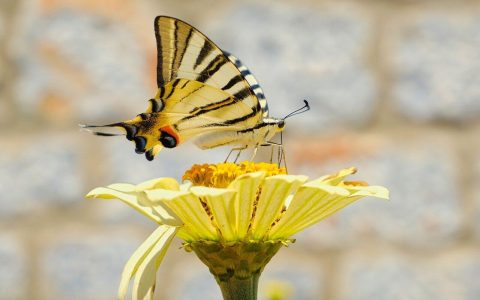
column 252, row 82
column 195, row 108
column 185, row 52
column 192, row 109
column 202, row 90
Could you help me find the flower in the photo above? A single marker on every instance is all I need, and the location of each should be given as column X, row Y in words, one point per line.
column 234, row 217
column 221, row 175
column 278, row 290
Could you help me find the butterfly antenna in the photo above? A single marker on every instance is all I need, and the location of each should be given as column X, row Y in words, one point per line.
column 279, row 156
column 304, row 108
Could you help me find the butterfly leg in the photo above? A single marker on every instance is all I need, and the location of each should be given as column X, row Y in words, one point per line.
column 271, row 154
column 281, row 157
column 238, row 154
column 271, row 145
column 254, row 153
column 229, row 153
column 282, row 150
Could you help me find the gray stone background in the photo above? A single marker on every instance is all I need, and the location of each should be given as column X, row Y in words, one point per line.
column 394, row 88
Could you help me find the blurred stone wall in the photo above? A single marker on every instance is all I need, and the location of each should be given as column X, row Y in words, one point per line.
column 394, row 88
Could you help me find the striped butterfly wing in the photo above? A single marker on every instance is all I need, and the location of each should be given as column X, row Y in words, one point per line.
column 202, row 91
column 196, row 108
column 184, row 52
column 252, row 82
column 190, row 109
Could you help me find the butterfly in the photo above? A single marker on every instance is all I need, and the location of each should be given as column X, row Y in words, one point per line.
column 204, row 94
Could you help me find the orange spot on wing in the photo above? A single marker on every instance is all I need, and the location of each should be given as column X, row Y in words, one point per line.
column 168, row 129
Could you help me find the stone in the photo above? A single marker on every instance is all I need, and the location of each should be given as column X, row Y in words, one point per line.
column 5, row 117
column 38, row 173
column 5, row 107
column 323, row 64
column 80, row 67
column 14, row 273
column 421, row 176
column 476, row 196
column 196, row 283
column 391, row 275
column 83, row 265
column 3, row 21
column 301, row 276
column 461, row 270
column 436, row 65
column 116, row 213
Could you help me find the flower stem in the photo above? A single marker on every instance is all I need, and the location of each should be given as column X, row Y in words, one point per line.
column 240, row 289
column 236, row 266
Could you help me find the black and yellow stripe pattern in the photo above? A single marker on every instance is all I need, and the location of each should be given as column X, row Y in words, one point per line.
column 204, row 93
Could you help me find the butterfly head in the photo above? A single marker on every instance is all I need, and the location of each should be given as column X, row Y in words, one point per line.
column 280, row 125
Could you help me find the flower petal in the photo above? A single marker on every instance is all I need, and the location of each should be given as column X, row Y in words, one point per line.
column 184, row 234
column 185, row 186
column 189, row 208
column 221, row 203
column 146, row 273
column 133, row 263
column 165, row 183
column 122, row 187
column 129, row 199
column 335, row 179
column 309, row 198
column 152, row 199
column 374, row 191
column 316, row 201
column 272, row 198
column 247, row 186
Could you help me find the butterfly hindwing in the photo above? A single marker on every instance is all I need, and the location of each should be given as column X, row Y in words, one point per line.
column 196, row 108
column 191, row 109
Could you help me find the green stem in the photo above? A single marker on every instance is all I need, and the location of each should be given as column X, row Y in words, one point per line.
column 236, row 266
column 240, row 289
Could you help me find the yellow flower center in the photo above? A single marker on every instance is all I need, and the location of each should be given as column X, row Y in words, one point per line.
column 220, row 175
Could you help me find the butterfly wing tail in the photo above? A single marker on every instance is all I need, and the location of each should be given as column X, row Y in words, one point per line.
column 129, row 130
column 151, row 153
column 135, row 130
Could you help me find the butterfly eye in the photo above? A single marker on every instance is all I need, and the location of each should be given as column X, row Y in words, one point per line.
column 281, row 124
column 167, row 140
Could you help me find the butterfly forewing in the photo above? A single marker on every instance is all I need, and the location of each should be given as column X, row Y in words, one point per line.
column 252, row 81
column 184, row 52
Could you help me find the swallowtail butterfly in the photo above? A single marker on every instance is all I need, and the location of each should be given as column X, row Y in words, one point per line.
column 204, row 94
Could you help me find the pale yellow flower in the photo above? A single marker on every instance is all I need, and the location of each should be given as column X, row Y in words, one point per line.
column 278, row 290
column 229, row 214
